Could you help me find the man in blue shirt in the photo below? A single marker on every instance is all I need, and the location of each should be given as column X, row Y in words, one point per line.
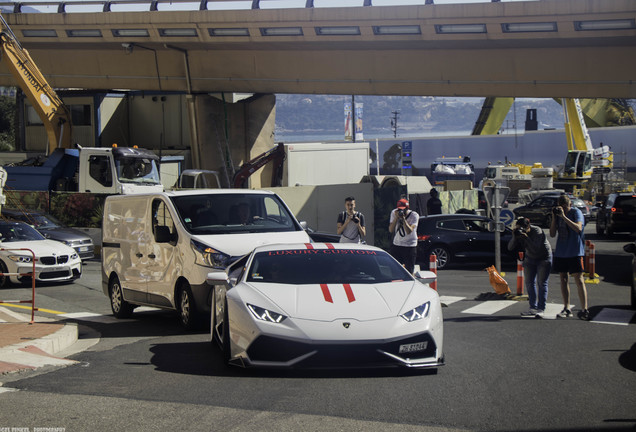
column 567, row 222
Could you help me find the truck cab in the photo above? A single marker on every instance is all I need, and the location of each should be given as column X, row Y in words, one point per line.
column 118, row 170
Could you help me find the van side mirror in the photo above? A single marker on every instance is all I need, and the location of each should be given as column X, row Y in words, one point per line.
column 162, row 234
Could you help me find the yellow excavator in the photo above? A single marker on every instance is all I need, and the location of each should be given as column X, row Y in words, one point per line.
column 54, row 114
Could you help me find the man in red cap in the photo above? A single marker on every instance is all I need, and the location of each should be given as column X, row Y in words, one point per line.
column 403, row 224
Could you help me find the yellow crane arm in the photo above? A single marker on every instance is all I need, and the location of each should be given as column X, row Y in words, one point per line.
column 54, row 114
column 575, row 129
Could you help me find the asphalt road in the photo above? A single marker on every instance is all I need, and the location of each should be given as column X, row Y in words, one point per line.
column 503, row 373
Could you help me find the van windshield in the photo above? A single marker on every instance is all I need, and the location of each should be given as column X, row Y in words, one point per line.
column 234, row 213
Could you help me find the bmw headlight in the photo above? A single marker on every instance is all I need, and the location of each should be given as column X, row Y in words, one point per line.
column 208, row 256
column 21, row 258
column 265, row 315
column 417, row 313
column 74, row 256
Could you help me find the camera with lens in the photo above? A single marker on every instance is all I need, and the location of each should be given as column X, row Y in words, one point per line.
column 401, row 212
column 555, row 211
column 355, row 219
column 518, row 232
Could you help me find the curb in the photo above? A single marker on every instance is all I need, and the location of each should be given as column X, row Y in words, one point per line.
column 33, row 354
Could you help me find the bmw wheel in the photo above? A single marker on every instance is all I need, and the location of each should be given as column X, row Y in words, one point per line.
column 186, row 307
column 120, row 307
column 443, row 256
column 4, row 280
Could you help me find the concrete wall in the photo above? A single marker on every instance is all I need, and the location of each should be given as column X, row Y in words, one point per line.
column 319, row 205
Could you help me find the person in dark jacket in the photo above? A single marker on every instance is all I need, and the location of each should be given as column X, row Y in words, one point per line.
column 537, row 263
column 434, row 204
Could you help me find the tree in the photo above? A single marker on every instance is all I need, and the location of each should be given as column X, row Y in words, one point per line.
column 7, row 123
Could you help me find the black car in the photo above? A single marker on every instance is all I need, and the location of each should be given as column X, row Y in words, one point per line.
column 539, row 211
column 459, row 236
column 52, row 229
column 617, row 214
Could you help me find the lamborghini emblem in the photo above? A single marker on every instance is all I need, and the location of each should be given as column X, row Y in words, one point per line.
column 346, row 325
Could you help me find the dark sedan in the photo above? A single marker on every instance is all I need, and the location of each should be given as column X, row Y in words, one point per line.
column 631, row 248
column 454, row 237
column 52, row 229
column 539, row 211
column 617, row 214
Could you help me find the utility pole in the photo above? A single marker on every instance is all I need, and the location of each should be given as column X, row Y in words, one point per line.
column 394, row 122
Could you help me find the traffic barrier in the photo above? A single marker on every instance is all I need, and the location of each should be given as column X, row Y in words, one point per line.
column 520, row 274
column 586, row 262
column 432, row 266
column 592, row 277
column 32, row 274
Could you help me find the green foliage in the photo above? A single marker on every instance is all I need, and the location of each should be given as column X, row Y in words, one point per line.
column 7, row 123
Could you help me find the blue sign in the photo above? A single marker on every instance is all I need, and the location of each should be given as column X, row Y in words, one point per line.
column 507, row 217
column 407, row 145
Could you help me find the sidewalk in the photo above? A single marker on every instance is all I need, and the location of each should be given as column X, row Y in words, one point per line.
column 26, row 346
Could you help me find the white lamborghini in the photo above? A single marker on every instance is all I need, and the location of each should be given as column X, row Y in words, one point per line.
column 325, row 305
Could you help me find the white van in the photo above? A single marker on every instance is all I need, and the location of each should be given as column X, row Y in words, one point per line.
column 157, row 249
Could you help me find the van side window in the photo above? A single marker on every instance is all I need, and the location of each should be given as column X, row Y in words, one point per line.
column 161, row 216
column 99, row 169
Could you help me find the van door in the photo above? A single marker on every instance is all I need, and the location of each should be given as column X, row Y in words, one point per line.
column 163, row 265
column 134, row 234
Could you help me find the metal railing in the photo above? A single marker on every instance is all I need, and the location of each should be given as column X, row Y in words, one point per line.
column 32, row 274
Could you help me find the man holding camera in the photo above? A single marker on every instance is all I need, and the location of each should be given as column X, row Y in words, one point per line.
column 537, row 262
column 567, row 222
column 351, row 223
column 403, row 223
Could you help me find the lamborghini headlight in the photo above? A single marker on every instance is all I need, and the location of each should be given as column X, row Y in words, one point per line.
column 265, row 315
column 208, row 256
column 21, row 258
column 417, row 313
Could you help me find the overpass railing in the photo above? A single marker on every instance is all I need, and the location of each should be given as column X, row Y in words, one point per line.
column 176, row 5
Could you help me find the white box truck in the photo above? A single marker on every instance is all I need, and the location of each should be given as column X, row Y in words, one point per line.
column 314, row 164
column 157, row 249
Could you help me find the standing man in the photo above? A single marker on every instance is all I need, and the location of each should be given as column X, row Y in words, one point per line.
column 537, row 262
column 434, row 204
column 403, row 224
column 351, row 223
column 567, row 222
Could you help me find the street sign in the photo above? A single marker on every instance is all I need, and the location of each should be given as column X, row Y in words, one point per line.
column 495, row 195
column 507, row 217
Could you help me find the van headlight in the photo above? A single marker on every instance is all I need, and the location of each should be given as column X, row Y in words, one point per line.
column 208, row 256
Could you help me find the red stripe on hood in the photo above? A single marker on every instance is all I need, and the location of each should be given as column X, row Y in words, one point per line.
column 349, row 292
column 309, row 246
column 329, row 246
column 326, row 293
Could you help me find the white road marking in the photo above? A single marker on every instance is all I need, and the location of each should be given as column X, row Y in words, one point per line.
column 489, row 307
column 614, row 316
column 450, row 299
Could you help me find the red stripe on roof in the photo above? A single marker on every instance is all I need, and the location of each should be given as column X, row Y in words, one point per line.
column 326, row 293
column 349, row 292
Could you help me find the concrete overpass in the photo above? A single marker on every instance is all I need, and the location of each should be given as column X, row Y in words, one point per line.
column 545, row 48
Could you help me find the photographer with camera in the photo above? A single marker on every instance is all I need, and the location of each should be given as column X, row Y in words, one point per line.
column 568, row 222
column 403, row 224
column 537, row 262
column 351, row 223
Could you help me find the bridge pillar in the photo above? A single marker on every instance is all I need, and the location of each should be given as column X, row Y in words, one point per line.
column 231, row 132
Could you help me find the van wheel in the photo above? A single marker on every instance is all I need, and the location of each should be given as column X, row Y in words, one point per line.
column 186, row 307
column 4, row 280
column 120, row 307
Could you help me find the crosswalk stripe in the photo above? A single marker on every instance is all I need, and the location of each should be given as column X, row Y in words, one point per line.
column 489, row 307
column 614, row 316
column 447, row 300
